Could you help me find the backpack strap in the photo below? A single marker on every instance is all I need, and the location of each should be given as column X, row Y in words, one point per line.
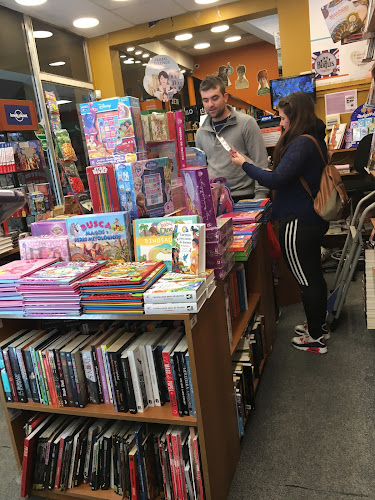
column 303, row 181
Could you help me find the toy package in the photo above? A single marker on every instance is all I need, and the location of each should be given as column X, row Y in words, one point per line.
column 166, row 149
column 159, row 127
column 36, row 203
column 100, row 237
column 64, row 146
column 46, row 190
column 45, row 247
column 112, row 127
column 146, row 128
column 103, row 190
column 54, row 227
column 144, row 187
column 198, row 194
column 153, row 237
column 195, row 157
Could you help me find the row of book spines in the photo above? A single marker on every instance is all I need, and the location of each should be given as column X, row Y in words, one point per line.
column 237, row 290
column 57, row 378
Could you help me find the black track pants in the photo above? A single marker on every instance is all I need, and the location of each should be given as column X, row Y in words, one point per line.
column 300, row 244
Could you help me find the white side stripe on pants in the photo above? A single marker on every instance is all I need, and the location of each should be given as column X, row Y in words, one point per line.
column 291, row 252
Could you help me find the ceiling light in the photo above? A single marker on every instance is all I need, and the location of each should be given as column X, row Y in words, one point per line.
column 63, row 101
column 145, row 55
column 130, row 58
column 30, row 3
column 138, row 52
column 85, row 22
column 123, row 55
column 42, row 34
column 129, row 61
column 144, row 64
column 130, row 49
column 201, row 2
column 220, row 28
column 137, row 62
column 57, row 63
column 183, row 36
column 204, row 45
column 183, row 71
column 232, row 38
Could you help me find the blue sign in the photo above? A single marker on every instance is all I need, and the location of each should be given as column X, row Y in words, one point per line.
column 266, row 118
column 18, row 114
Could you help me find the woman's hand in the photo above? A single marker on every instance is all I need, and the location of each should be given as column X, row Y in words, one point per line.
column 238, row 159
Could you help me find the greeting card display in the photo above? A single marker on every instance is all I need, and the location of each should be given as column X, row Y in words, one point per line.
column 112, row 127
column 100, row 237
column 102, row 185
column 198, row 194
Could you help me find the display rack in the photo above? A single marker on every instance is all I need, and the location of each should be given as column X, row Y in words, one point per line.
column 211, row 367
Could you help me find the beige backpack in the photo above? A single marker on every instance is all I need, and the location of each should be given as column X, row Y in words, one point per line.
column 331, row 199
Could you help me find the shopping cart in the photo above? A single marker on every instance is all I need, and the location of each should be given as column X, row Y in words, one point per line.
column 348, row 261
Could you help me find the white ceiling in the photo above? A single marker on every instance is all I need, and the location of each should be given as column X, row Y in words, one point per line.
column 113, row 15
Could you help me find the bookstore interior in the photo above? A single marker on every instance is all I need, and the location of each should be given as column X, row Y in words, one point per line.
column 138, row 301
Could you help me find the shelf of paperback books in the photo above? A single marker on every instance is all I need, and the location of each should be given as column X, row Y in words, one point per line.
column 242, row 320
column 158, row 414
column 83, row 492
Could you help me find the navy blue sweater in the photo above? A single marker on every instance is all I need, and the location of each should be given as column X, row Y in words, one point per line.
column 301, row 159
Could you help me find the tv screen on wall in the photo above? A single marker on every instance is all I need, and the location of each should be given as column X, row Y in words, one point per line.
column 282, row 87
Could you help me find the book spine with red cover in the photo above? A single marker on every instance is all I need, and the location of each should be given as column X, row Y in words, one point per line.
column 182, row 465
column 133, row 478
column 198, row 467
column 170, row 384
column 163, row 471
column 59, row 464
column 27, row 468
column 180, row 131
column 177, row 468
column 50, row 379
column 171, row 126
column 171, row 463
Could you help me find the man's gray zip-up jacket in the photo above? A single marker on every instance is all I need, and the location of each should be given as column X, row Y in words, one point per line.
column 242, row 132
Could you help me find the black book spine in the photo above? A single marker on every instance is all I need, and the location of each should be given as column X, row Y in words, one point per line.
column 53, row 465
column 68, row 446
column 128, row 385
column 115, row 463
column 56, row 379
column 80, row 396
column 176, row 383
column 106, row 463
column 72, row 382
column 32, row 377
column 188, row 389
column 90, row 374
column 81, row 462
column 38, row 482
column 162, row 381
column 119, row 389
column 17, row 375
column 68, row 389
column 97, row 375
column 181, row 379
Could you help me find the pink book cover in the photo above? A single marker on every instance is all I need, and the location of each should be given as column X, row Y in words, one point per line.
column 10, row 303
column 243, row 217
column 180, row 132
column 18, row 269
column 217, row 234
column 198, row 195
column 62, row 273
column 103, row 378
column 45, row 247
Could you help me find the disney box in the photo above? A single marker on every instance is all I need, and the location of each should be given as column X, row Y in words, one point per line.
column 45, row 247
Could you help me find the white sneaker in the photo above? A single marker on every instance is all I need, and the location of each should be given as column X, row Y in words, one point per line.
column 303, row 330
column 308, row 344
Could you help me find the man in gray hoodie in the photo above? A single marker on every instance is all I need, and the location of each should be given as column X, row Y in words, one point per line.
column 239, row 130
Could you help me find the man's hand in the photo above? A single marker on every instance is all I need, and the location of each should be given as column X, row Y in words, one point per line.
column 238, row 159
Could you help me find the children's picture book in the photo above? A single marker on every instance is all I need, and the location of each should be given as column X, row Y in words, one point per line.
column 153, row 237
column 144, row 187
column 189, row 249
column 45, row 247
column 175, row 291
column 61, row 273
column 123, row 273
column 166, row 149
column 100, row 237
column 244, row 217
column 18, row 269
column 198, row 196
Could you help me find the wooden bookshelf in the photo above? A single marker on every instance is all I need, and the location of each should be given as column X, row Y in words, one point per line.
column 211, row 372
column 256, row 381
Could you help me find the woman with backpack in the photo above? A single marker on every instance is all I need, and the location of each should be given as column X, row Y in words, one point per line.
column 301, row 229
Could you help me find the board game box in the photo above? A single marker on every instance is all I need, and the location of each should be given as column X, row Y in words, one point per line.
column 198, row 194
column 45, row 247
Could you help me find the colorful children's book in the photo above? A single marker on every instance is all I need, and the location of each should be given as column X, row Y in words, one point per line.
column 337, row 136
column 54, row 227
column 189, row 248
column 18, row 269
column 102, row 185
column 159, row 127
column 45, row 247
column 343, row 17
column 153, row 237
column 198, row 194
column 100, row 237
column 175, row 291
column 61, row 273
column 244, row 217
column 124, row 273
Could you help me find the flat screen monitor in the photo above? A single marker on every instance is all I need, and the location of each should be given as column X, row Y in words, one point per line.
column 281, row 87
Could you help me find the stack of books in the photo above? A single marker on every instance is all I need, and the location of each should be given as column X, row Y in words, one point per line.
column 118, row 287
column 218, row 254
column 244, row 217
column 245, row 240
column 54, row 290
column 263, row 204
column 11, row 299
column 6, row 244
column 132, row 459
column 175, row 293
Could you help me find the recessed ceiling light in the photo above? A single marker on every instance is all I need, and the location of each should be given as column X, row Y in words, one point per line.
column 123, row 55
column 42, row 34
column 144, row 64
column 130, row 58
column 57, row 63
column 31, row 3
column 86, row 22
column 145, row 55
column 130, row 49
column 183, row 71
column 183, row 36
column 220, row 28
column 233, row 38
column 201, row 2
column 129, row 61
column 138, row 52
column 63, row 101
column 137, row 62
column 204, row 45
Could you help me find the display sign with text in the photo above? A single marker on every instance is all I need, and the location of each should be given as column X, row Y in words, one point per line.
column 17, row 115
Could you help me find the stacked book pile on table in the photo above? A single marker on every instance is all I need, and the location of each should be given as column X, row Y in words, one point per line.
column 119, row 286
column 263, row 204
column 248, row 217
column 245, row 238
column 11, row 300
column 179, row 293
column 218, row 240
column 54, row 290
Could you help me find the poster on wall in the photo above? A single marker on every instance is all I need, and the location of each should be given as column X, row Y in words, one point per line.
column 163, row 78
column 224, row 71
column 263, row 83
column 242, row 82
column 326, row 63
column 344, row 17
